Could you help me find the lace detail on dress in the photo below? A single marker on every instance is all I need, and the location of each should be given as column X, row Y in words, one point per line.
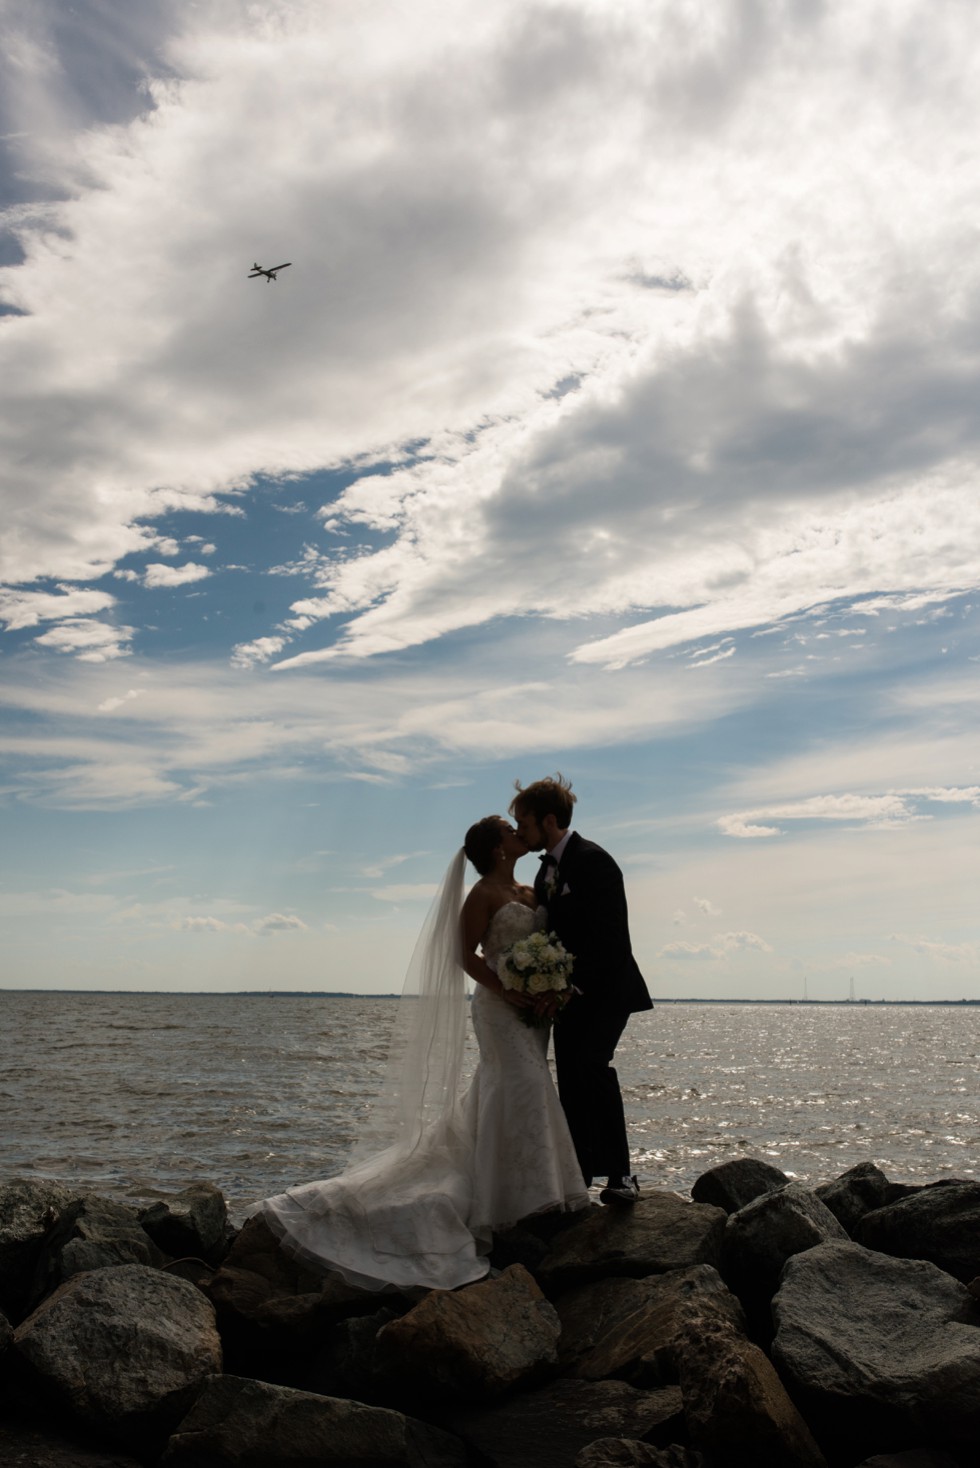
column 509, row 923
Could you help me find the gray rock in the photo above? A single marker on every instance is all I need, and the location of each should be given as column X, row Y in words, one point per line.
column 737, row 1409
column 940, row 1223
column 272, row 1308
column 472, row 1344
column 545, row 1428
column 629, row 1328
column 659, row 1233
column 762, row 1236
column 194, row 1222
column 881, row 1352
column 28, row 1211
column 732, row 1185
column 528, row 1241
column 621, row 1452
column 91, row 1233
column 240, row 1422
column 122, row 1350
column 855, row 1193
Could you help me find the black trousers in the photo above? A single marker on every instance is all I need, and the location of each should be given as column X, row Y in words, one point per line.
column 588, row 1086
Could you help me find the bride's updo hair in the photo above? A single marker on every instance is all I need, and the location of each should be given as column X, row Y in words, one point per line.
column 482, row 841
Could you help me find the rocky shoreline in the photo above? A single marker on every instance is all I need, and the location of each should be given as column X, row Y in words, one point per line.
column 758, row 1322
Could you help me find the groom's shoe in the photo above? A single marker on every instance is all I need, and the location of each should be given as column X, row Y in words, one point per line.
column 620, row 1190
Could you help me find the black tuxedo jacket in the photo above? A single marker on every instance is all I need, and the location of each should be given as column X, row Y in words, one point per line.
column 588, row 914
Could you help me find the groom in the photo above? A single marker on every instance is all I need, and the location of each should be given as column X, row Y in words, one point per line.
column 582, row 888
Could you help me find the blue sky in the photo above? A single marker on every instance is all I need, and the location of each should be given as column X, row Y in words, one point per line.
column 617, row 414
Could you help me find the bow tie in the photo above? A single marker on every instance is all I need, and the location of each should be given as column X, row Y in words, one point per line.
column 548, row 858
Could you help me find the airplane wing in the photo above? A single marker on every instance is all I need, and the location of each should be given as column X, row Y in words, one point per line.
column 282, row 267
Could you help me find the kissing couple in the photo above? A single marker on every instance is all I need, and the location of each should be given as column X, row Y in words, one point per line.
column 439, row 1168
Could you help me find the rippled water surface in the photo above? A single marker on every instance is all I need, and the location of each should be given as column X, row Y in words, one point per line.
column 134, row 1095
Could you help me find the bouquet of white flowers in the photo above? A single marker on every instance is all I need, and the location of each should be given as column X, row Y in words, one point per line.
column 537, row 965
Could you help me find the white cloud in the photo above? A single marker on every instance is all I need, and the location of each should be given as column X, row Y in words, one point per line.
column 248, row 654
column 705, row 905
column 936, row 948
column 209, row 925
column 737, row 826
column 682, row 952
column 737, row 942
column 19, row 608
column 157, row 574
column 718, row 657
column 277, row 922
column 893, row 808
column 90, row 640
column 109, row 705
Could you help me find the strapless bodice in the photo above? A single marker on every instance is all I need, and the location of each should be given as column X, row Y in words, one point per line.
column 510, row 923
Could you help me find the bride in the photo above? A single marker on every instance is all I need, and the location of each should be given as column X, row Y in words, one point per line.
column 439, row 1169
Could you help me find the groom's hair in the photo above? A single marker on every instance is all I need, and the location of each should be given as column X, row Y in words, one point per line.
column 481, row 842
column 550, row 797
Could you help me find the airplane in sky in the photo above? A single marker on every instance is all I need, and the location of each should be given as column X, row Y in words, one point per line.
column 257, row 270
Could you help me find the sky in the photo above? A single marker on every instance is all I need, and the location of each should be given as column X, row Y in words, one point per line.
column 617, row 414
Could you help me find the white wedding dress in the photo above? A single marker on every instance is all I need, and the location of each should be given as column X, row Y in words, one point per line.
column 427, row 1218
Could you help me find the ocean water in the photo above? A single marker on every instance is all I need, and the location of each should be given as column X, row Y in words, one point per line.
column 135, row 1095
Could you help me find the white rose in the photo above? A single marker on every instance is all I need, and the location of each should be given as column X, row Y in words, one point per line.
column 539, row 983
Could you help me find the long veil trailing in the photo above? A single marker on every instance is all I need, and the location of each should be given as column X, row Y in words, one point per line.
column 420, row 1090
column 397, row 1214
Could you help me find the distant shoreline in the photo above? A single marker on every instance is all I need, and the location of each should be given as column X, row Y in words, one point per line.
column 350, row 994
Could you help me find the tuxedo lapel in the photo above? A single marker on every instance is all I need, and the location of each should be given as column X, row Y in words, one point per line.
column 566, row 867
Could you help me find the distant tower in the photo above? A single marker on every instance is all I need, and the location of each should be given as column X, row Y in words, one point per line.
column 852, row 991
column 804, row 990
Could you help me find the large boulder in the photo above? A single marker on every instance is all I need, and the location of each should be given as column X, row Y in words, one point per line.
column 660, row 1232
column 528, row 1241
column 547, row 1427
column 629, row 1328
column 28, row 1212
column 472, row 1344
column 194, row 1222
column 940, row 1223
column 856, row 1192
column 273, row 1311
column 762, row 1236
column 91, row 1233
column 123, row 1350
column 737, row 1410
column 237, row 1423
column 731, row 1185
column 883, row 1353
